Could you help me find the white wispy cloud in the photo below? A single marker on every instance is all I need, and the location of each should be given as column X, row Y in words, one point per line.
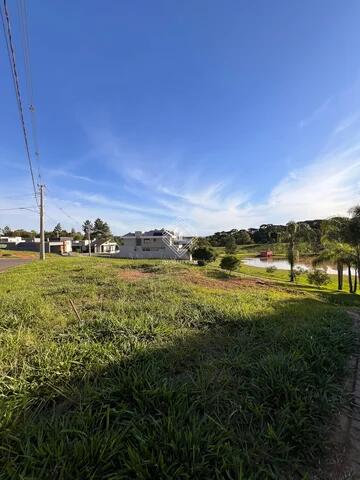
column 163, row 192
column 346, row 123
column 53, row 173
column 317, row 113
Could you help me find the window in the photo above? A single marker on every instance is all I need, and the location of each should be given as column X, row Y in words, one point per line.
column 138, row 242
column 146, row 240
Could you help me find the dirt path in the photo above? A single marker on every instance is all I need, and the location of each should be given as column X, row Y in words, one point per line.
column 6, row 263
column 343, row 462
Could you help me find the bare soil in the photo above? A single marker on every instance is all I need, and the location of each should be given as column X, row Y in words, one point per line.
column 225, row 283
column 133, row 274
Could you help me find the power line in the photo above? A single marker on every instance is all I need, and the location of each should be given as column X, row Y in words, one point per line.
column 77, row 221
column 10, row 197
column 28, row 76
column 17, row 208
column 11, row 54
column 68, row 215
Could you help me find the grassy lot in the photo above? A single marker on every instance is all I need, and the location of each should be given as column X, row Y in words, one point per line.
column 171, row 372
column 283, row 275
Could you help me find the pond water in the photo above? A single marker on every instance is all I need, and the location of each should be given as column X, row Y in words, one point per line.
column 283, row 264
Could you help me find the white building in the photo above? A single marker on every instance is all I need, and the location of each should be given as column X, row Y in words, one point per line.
column 15, row 240
column 154, row 244
column 104, row 246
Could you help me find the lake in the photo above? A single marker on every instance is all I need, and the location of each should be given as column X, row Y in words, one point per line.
column 283, row 264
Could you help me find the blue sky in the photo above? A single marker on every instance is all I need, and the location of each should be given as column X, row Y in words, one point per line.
column 209, row 114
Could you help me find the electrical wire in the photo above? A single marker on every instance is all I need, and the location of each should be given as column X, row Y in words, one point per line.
column 77, row 221
column 28, row 76
column 10, row 197
column 16, row 208
column 11, row 54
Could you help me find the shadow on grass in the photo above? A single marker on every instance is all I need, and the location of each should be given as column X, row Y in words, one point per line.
column 225, row 398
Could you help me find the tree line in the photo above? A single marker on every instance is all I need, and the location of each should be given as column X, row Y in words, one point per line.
column 335, row 240
column 97, row 229
column 267, row 233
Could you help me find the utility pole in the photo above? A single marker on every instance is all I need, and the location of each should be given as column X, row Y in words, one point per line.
column 42, row 231
column 89, row 239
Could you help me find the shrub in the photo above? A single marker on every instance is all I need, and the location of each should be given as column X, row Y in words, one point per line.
column 203, row 255
column 298, row 271
column 229, row 263
column 271, row 269
column 318, row 277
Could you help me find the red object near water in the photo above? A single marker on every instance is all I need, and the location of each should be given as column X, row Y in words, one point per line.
column 266, row 253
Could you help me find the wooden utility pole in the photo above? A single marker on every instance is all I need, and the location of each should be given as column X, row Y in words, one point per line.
column 42, row 231
column 89, row 239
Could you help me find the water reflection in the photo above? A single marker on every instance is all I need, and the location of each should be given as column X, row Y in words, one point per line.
column 283, row 264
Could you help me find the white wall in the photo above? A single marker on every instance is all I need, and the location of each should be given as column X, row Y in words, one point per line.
column 151, row 247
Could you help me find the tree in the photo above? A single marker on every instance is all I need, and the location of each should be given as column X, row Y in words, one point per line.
column 229, row 263
column 339, row 243
column 203, row 255
column 202, row 242
column 87, row 227
column 7, row 232
column 101, row 229
column 230, row 245
column 354, row 239
column 339, row 253
column 243, row 238
column 295, row 232
column 318, row 277
column 57, row 230
column 22, row 233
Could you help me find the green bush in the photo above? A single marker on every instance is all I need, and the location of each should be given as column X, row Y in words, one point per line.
column 203, row 255
column 271, row 269
column 318, row 277
column 229, row 263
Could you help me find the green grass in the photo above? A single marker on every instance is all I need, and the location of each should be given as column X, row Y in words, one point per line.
column 302, row 281
column 169, row 374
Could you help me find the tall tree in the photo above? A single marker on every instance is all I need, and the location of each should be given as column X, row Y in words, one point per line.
column 339, row 253
column 7, row 232
column 334, row 237
column 101, row 229
column 57, row 230
column 354, row 237
column 230, row 245
column 243, row 238
column 87, row 226
column 295, row 233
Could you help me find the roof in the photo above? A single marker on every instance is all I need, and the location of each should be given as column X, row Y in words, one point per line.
column 101, row 241
column 151, row 233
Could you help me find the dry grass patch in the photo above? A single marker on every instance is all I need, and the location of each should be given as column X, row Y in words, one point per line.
column 223, row 283
column 133, row 275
